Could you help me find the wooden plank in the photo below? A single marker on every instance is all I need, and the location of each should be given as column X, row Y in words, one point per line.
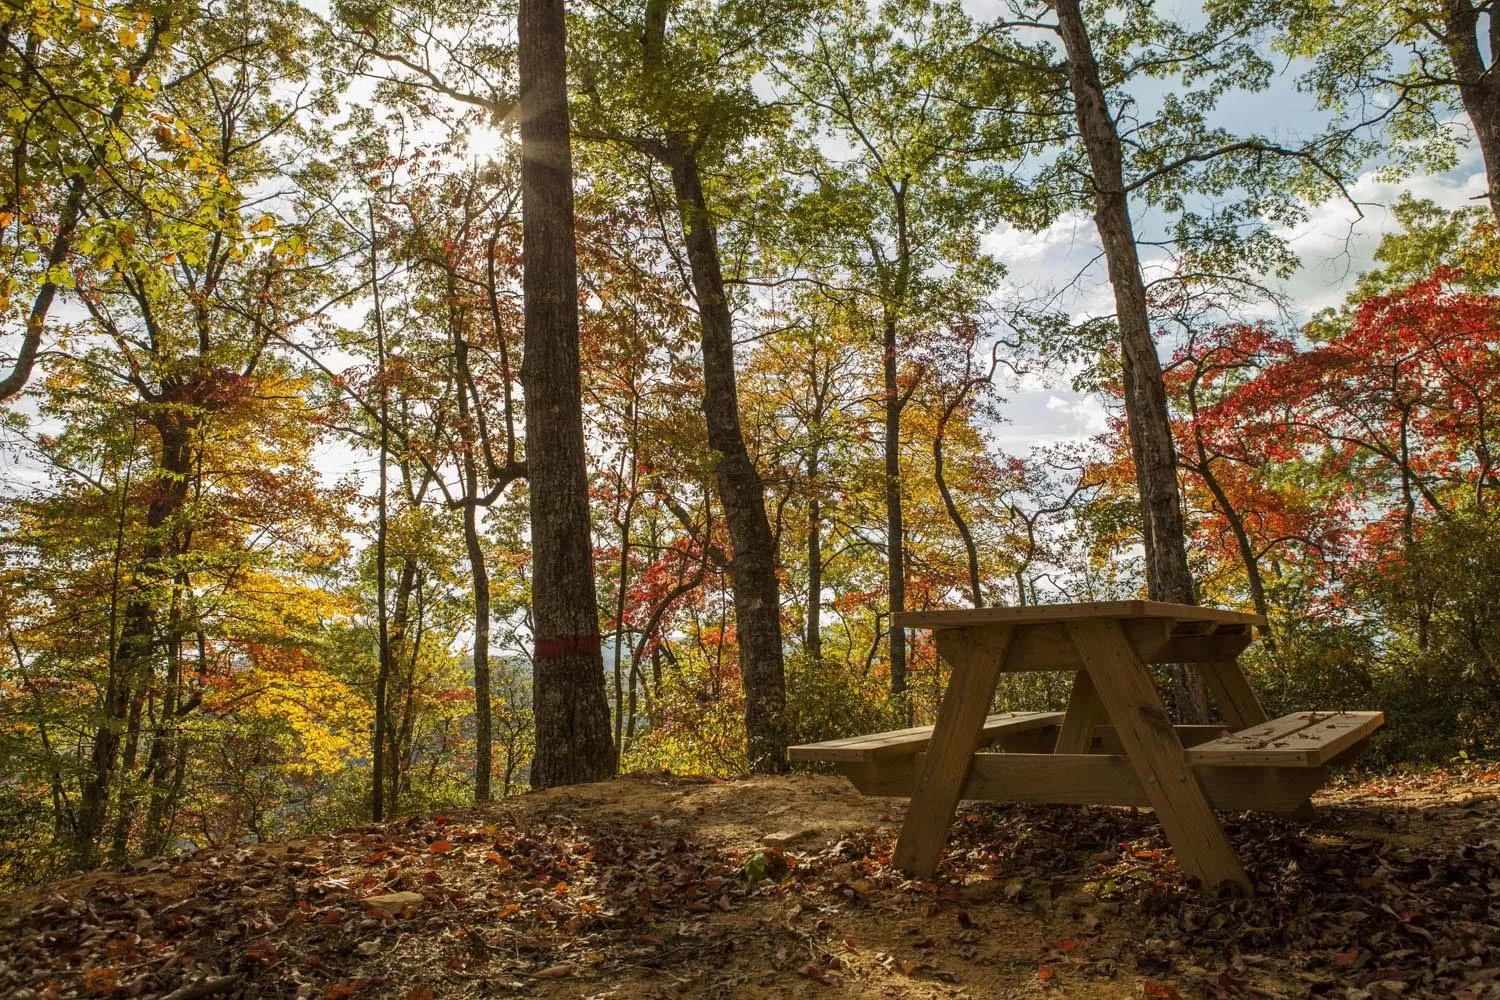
column 1231, row 691
column 976, row 669
column 1093, row 779
column 1308, row 739
column 1085, row 711
column 1124, row 686
column 1070, row 612
column 1046, row 646
column 1106, row 740
column 898, row 742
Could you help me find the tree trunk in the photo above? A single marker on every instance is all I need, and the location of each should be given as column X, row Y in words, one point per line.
column 483, row 715
column 757, row 599
column 130, row 664
column 623, row 580
column 895, row 536
column 382, row 614
column 479, row 576
column 1168, row 576
column 813, row 640
column 397, row 624
column 572, row 712
column 971, row 551
column 1478, row 85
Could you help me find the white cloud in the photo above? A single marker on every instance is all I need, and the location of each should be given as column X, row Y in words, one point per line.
column 1336, row 243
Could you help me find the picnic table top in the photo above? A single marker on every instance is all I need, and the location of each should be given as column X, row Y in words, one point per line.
column 1043, row 613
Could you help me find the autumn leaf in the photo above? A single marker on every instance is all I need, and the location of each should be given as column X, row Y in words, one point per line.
column 814, row 971
column 440, row 847
column 1167, row 991
column 1046, row 972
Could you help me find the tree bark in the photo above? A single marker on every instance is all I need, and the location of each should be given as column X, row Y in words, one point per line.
column 812, row 641
column 130, row 663
column 1478, row 85
column 1168, row 576
column 573, row 741
column 479, row 575
column 971, row 551
column 757, row 598
column 895, row 532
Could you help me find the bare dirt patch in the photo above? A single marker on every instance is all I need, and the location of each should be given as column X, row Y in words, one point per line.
column 655, row 886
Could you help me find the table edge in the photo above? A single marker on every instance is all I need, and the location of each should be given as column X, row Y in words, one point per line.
column 1040, row 613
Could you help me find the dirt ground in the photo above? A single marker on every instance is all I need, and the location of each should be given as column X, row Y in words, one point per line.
column 656, row 886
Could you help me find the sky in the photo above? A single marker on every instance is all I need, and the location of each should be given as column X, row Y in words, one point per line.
column 1335, row 246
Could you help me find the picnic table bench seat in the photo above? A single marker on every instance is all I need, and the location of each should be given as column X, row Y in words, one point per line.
column 907, row 742
column 1302, row 739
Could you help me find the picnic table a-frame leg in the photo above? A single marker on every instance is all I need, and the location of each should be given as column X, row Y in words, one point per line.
column 1124, row 686
column 976, row 670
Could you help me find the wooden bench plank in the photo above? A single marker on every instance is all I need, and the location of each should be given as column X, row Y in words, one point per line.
column 1093, row 779
column 1307, row 739
column 903, row 742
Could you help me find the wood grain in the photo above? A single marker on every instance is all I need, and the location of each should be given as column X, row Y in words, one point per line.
column 1093, row 779
column 955, row 737
column 1306, row 739
column 1231, row 691
column 1085, row 711
column 1124, row 686
column 1070, row 612
column 903, row 742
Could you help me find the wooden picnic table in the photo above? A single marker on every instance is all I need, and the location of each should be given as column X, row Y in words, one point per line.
column 1115, row 744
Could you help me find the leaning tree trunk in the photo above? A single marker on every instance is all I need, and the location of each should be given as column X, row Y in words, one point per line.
column 757, row 598
column 572, row 712
column 1168, row 576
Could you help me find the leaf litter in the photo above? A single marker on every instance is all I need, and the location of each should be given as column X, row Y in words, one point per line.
column 661, row 887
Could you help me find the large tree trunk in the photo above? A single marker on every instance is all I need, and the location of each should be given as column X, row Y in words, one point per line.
column 1168, row 577
column 757, row 599
column 1478, row 84
column 572, row 712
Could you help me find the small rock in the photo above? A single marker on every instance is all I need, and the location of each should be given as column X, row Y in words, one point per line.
column 394, row 903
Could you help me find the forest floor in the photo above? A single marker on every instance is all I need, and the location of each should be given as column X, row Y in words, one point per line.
column 655, row 886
